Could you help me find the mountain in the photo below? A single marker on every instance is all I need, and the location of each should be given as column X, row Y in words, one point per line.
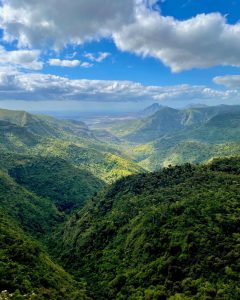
column 150, row 110
column 28, row 272
column 66, row 185
column 49, row 168
column 72, row 141
column 104, row 165
column 172, row 234
column 44, row 126
column 80, row 218
column 220, row 136
column 168, row 120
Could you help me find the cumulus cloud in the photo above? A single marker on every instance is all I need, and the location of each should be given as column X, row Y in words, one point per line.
column 64, row 62
column 24, row 59
column 33, row 86
column 200, row 42
column 69, row 63
column 136, row 26
column 58, row 22
column 230, row 81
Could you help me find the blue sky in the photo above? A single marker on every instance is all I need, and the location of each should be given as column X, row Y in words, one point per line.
column 121, row 55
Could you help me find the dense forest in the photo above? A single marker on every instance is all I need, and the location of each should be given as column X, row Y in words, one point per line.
column 172, row 234
column 82, row 218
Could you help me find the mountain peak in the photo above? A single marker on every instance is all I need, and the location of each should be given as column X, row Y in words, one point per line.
column 150, row 110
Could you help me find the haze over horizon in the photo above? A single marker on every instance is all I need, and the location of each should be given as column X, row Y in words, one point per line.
column 120, row 57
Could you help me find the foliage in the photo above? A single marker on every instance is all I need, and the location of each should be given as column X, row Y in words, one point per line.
column 216, row 138
column 172, row 234
column 104, row 165
column 67, row 186
column 27, row 272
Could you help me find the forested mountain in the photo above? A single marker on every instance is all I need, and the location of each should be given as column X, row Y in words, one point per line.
column 174, row 136
column 173, row 234
column 27, row 271
column 81, row 218
column 69, row 140
column 46, row 172
column 220, row 136
column 167, row 120
column 26, row 218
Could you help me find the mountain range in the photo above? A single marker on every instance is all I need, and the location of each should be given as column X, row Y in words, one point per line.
column 82, row 216
column 174, row 136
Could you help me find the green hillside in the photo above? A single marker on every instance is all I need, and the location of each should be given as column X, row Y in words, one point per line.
column 166, row 121
column 44, row 125
column 104, row 165
column 27, row 272
column 72, row 141
column 48, row 169
column 35, row 214
column 218, row 137
column 80, row 218
column 67, row 186
column 172, row 234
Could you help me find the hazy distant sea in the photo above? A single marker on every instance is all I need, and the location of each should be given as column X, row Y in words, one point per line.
column 89, row 117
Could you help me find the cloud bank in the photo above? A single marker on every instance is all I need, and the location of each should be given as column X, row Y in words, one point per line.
column 33, row 86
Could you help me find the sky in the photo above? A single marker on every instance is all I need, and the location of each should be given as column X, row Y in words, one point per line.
column 107, row 55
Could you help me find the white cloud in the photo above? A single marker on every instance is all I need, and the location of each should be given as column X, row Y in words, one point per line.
column 136, row 26
column 25, row 59
column 230, row 81
column 56, row 23
column 86, row 65
column 200, row 42
column 69, row 63
column 64, row 62
column 98, row 57
column 20, row 86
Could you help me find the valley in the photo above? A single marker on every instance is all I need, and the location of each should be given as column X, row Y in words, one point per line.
column 121, row 210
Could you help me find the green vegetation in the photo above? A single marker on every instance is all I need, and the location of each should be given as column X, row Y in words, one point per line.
column 106, row 166
column 172, row 136
column 67, row 186
column 173, row 234
column 81, row 219
column 35, row 214
column 27, row 272
column 167, row 121
column 48, row 169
